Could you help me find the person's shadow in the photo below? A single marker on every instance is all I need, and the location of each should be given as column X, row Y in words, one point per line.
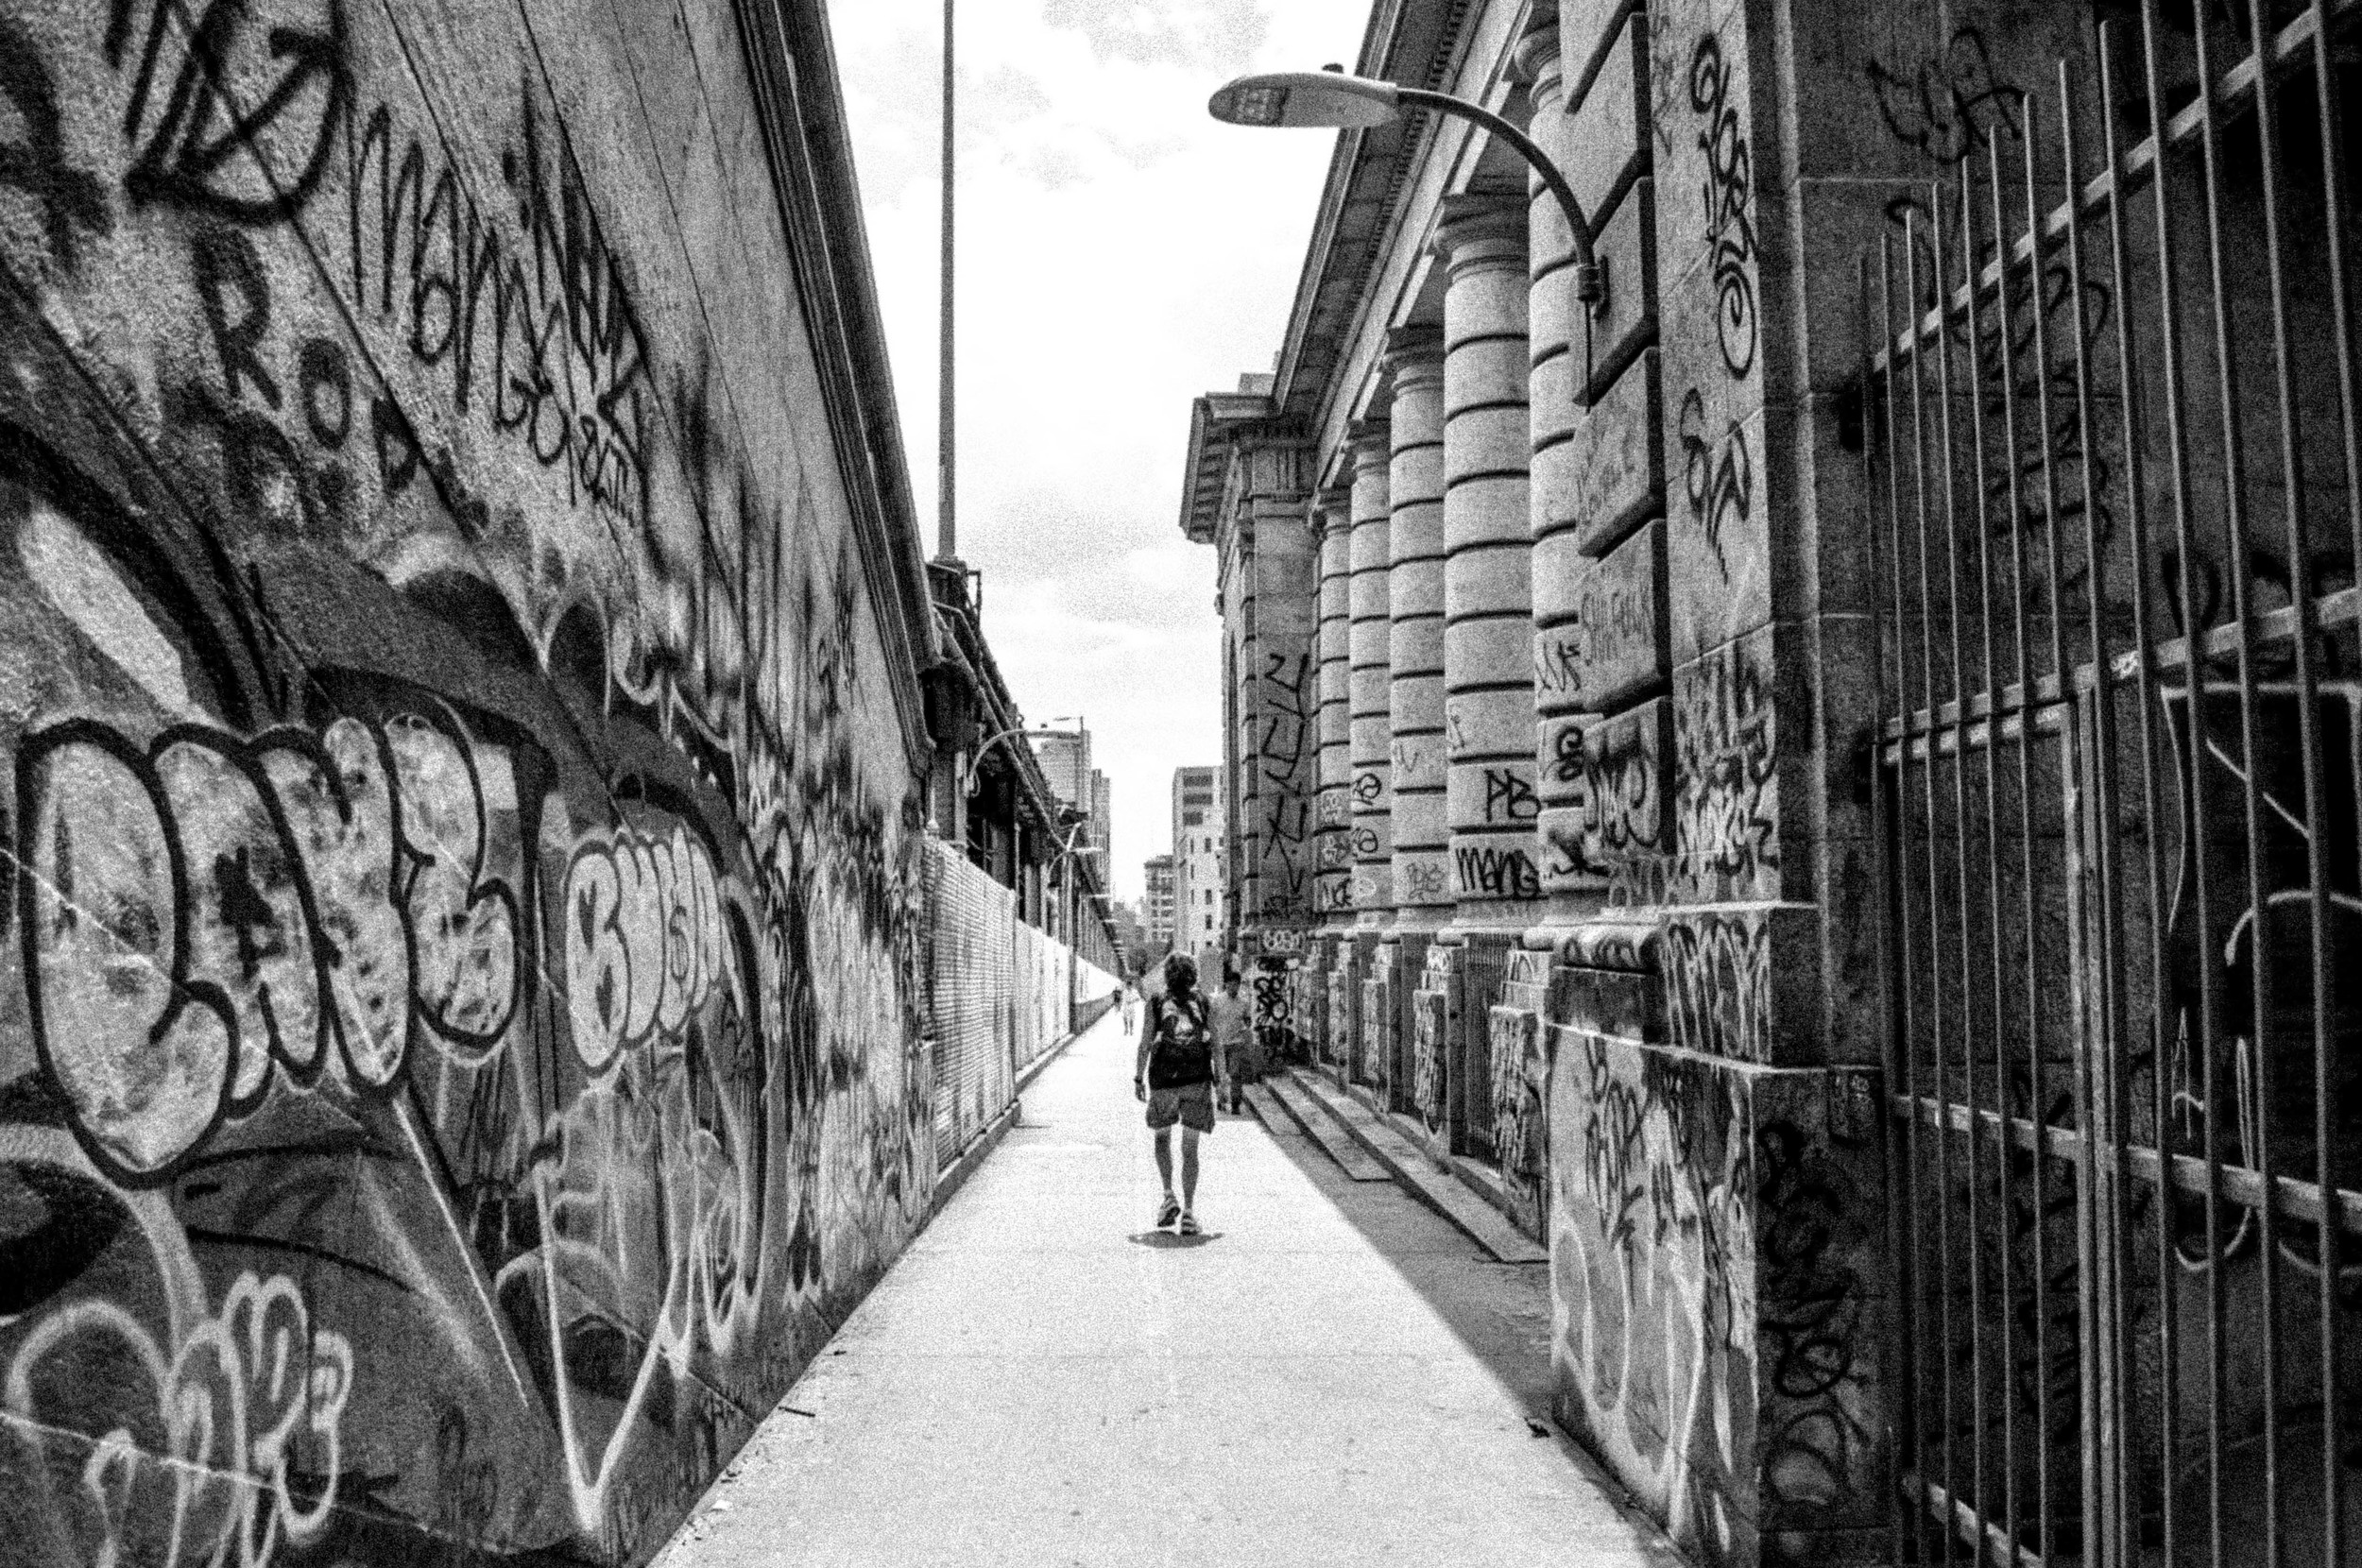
column 1172, row 1240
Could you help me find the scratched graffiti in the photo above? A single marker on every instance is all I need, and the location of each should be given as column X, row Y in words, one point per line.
column 462, row 1047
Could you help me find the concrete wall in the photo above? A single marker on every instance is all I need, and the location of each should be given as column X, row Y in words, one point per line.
column 460, row 1056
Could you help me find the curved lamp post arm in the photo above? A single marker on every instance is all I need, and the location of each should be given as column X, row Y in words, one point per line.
column 977, row 761
column 1332, row 98
column 1589, row 285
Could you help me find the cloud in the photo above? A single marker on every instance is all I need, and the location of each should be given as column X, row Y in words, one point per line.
column 1216, row 34
column 1119, row 254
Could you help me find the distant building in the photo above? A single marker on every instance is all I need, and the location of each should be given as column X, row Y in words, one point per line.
column 1100, row 834
column 1159, row 902
column 1066, row 763
column 1200, row 886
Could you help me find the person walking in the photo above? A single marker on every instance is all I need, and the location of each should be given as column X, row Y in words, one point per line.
column 1174, row 1073
column 1233, row 1036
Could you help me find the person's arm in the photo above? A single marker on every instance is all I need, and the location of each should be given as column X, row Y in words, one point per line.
column 1139, row 1060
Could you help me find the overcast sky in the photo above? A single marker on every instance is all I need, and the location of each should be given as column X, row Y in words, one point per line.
column 1119, row 254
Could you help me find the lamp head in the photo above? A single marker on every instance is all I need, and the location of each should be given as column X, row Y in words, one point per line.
column 1306, row 98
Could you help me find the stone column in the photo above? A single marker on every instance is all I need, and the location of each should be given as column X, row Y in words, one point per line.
column 1487, row 606
column 1369, row 653
column 1422, row 889
column 1332, row 523
column 1278, row 733
column 1368, row 641
column 1332, row 516
column 1488, row 653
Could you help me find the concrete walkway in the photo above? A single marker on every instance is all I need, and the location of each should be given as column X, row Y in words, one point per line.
column 1329, row 1376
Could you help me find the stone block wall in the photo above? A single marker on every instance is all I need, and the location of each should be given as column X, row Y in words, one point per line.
column 460, row 1052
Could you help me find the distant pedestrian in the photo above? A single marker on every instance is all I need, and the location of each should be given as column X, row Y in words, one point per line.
column 1174, row 1071
column 1233, row 1017
column 1129, row 1000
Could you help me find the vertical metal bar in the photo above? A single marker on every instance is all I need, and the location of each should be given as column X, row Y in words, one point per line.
column 2259, row 916
column 1992, row 850
column 2105, row 1067
column 2152, row 808
column 2348, row 407
column 1905, row 1051
column 2308, row 743
column 1934, row 879
column 2341, row 282
column 1890, row 923
column 2196, row 816
column 1960, row 706
column 2029, row 912
column 2062, row 675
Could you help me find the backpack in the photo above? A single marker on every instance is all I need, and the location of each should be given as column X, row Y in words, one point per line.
column 1182, row 1049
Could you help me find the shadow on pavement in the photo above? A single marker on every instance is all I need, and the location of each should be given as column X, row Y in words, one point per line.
column 1168, row 1241
column 1501, row 1311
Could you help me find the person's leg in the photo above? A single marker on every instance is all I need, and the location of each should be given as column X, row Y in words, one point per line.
column 1164, row 1155
column 1188, row 1170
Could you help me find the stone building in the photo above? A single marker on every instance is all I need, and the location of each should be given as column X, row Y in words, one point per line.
column 1649, row 817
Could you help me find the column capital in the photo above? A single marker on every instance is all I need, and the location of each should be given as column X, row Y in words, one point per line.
column 1535, row 57
column 1415, row 355
column 1481, row 229
column 1371, row 442
column 1332, row 508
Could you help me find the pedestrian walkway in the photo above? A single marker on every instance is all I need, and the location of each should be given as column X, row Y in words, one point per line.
column 1331, row 1374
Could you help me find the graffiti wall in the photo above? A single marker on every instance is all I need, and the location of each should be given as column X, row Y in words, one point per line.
column 1718, row 1294
column 458, row 1046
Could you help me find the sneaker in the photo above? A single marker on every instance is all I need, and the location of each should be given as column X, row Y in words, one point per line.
column 1170, row 1212
column 1189, row 1225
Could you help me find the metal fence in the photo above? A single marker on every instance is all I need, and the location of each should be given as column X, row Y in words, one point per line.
column 1001, row 993
column 2112, row 421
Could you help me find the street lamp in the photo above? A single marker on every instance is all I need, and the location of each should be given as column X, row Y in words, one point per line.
column 1332, row 98
column 975, row 762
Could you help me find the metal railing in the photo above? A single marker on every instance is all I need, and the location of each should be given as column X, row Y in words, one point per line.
column 2112, row 421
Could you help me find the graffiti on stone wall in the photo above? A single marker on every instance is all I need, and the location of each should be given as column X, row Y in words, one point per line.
column 1615, row 828
column 1515, row 1041
column 1710, row 1239
column 1486, row 871
column 460, row 1056
column 1727, row 197
column 1717, row 478
column 1725, row 759
column 1284, row 729
column 1717, row 984
column 1275, row 1012
column 1428, row 1043
column 1950, row 104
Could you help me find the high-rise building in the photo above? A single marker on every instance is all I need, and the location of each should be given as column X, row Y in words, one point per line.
column 1065, row 755
column 1200, row 892
column 1101, row 835
column 1066, row 762
column 1159, row 902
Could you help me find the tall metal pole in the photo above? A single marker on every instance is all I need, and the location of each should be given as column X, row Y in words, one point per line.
column 947, row 499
